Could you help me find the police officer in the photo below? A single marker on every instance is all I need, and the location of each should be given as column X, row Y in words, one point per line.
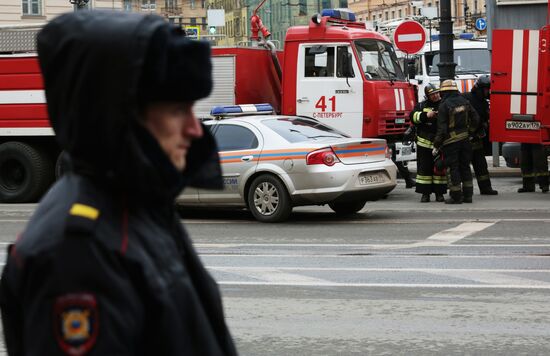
column 104, row 266
column 456, row 122
column 478, row 98
column 424, row 117
column 534, row 167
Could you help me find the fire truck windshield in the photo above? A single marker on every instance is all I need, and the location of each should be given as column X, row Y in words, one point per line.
column 378, row 60
column 468, row 61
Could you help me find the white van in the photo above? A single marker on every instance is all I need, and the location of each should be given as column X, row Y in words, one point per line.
column 471, row 56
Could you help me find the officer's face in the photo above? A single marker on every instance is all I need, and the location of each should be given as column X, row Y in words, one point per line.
column 174, row 126
column 435, row 97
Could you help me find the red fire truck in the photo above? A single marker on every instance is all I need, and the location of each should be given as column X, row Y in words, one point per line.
column 334, row 70
column 520, row 91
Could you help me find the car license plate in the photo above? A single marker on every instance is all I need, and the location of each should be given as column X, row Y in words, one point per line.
column 523, row 125
column 399, row 120
column 371, row 179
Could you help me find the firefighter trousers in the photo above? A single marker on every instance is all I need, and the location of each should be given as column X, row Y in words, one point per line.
column 534, row 166
column 458, row 156
column 427, row 181
column 479, row 163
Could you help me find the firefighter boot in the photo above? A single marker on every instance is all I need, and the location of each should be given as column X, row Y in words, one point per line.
column 467, row 194
column 455, row 198
column 488, row 191
column 425, row 198
column 544, row 189
column 439, row 198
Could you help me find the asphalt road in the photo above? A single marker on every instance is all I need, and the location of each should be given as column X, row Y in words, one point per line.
column 399, row 278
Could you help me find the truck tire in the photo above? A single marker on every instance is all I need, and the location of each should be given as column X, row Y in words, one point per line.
column 25, row 173
column 268, row 199
column 347, row 208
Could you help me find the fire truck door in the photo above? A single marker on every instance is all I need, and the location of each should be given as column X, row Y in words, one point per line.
column 324, row 93
column 516, row 110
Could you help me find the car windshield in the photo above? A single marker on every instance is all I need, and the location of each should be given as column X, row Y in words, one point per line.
column 378, row 60
column 468, row 61
column 301, row 129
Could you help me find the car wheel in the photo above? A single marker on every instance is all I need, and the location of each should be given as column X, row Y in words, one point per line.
column 347, row 208
column 25, row 173
column 268, row 199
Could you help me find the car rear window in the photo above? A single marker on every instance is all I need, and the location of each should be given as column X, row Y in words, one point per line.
column 299, row 129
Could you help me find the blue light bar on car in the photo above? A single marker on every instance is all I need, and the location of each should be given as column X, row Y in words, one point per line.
column 339, row 14
column 235, row 110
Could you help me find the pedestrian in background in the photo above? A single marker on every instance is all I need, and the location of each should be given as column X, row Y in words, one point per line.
column 534, row 167
column 424, row 117
column 478, row 98
column 457, row 120
column 104, row 266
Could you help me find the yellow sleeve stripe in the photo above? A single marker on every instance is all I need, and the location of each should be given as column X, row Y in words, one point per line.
column 84, row 211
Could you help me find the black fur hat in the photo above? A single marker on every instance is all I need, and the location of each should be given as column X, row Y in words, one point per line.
column 176, row 68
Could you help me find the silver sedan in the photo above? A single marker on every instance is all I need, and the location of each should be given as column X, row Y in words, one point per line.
column 272, row 163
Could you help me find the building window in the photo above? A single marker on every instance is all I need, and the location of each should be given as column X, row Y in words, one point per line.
column 32, row 7
column 387, row 16
column 192, row 4
column 204, row 20
column 343, row 4
column 303, row 8
column 127, row 5
column 193, row 21
column 400, row 13
column 203, row 3
column 148, row 5
column 393, row 14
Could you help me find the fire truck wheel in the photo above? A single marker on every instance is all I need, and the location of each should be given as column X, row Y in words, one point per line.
column 25, row 173
column 268, row 199
column 347, row 208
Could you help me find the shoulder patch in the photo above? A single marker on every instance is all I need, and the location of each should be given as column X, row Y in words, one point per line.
column 84, row 211
column 82, row 219
column 76, row 322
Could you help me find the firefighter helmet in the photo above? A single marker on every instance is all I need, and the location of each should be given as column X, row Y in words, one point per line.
column 448, row 85
column 483, row 82
column 430, row 89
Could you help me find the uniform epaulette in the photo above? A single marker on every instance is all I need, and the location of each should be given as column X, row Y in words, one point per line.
column 82, row 218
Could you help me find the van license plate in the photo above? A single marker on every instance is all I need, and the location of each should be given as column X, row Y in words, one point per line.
column 406, row 150
column 399, row 120
column 371, row 179
column 522, row 125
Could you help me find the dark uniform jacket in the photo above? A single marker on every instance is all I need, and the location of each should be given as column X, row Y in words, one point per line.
column 104, row 266
column 426, row 128
column 481, row 137
column 456, row 120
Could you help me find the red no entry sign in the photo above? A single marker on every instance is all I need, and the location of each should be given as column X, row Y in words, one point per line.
column 409, row 37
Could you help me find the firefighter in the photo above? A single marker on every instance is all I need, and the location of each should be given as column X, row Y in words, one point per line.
column 478, row 98
column 534, row 167
column 456, row 122
column 104, row 266
column 424, row 117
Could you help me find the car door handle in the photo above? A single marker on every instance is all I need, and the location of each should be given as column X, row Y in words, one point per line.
column 303, row 100
column 499, row 73
column 247, row 158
